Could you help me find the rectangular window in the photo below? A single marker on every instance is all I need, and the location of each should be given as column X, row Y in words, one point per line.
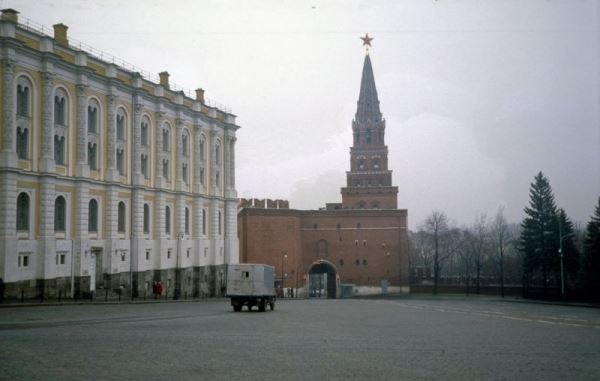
column 59, row 111
column 120, row 127
column 59, row 150
column 184, row 171
column 92, row 160
column 202, row 176
column 188, row 253
column 23, row 261
column 145, row 166
column 144, row 134
column 92, row 120
column 123, row 257
column 166, row 169
column 147, row 255
column 121, row 162
column 168, row 254
column 23, row 143
column 61, row 258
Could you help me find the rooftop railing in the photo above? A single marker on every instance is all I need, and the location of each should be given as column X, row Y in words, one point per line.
column 41, row 30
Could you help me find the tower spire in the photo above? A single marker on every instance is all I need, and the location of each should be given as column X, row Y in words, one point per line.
column 368, row 102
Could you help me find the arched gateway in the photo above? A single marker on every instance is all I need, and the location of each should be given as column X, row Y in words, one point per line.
column 322, row 280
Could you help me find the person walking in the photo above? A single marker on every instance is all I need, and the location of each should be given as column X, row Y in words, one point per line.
column 159, row 289
column 155, row 289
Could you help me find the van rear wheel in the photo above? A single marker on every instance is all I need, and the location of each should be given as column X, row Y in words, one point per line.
column 237, row 307
column 272, row 305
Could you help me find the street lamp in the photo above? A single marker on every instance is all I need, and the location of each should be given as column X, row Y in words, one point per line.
column 178, row 267
column 282, row 271
column 560, row 253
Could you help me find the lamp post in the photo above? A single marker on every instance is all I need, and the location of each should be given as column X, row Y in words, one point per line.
column 177, row 292
column 560, row 253
column 284, row 256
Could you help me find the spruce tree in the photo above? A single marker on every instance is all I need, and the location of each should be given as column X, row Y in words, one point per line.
column 539, row 238
column 591, row 261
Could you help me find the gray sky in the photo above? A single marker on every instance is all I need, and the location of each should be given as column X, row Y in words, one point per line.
column 478, row 95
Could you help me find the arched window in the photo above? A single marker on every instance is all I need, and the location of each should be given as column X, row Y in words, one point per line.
column 167, row 220
column 144, row 128
column 23, row 212
column 121, row 218
column 166, row 138
column 24, row 106
column 201, row 149
column 204, row 221
column 92, row 116
column 218, row 153
column 60, row 107
column 368, row 138
column 60, row 214
column 93, row 216
column 187, row 221
column 202, row 176
column 121, row 124
column 23, row 97
column 184, row 143
column 146, row 218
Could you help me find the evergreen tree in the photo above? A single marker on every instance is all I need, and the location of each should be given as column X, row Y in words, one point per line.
column 591, row 262
column 539, row 238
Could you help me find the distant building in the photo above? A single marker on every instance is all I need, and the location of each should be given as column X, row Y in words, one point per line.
column 108, row 179
column 361, row 242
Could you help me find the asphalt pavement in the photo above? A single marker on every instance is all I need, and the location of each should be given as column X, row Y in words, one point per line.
column 353, row 339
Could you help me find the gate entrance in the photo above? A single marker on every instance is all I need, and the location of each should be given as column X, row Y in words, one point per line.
column 322, row 280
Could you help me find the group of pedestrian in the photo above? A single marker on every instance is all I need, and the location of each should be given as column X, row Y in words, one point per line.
column 157, row 289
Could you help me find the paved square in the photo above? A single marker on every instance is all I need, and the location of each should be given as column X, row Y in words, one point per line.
column 393, row 339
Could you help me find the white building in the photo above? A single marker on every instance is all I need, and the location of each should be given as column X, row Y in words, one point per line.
column 108, row 180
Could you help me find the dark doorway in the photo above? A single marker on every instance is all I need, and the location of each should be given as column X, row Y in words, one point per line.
column 322, row 281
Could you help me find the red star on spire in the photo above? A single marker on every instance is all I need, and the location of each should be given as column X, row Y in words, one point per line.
column 366, row 40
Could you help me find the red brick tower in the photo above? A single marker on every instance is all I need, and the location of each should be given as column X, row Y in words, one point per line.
column 369, row 181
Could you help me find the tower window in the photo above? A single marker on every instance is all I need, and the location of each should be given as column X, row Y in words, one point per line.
column 60, row 214
column 121, row 217
column 23, row 212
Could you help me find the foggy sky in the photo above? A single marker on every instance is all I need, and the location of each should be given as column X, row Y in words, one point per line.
column 478, row 96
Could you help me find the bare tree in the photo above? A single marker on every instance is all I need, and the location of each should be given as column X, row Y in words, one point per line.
column 444, row 243
column 500, row 235
column 478, row 245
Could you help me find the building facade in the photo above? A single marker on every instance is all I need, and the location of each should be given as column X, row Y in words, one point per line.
column 360, row 244
column 108, row 180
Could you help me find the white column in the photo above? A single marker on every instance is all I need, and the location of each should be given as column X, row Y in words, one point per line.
column 111, row 147
column 47, row 160
column 8, row 219
column 197, row 159
column 8, row 154
column 137, row 177
column 179, row 154
column 214, row 190
column 158, row 175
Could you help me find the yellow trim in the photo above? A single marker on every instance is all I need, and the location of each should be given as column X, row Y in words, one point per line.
column 70, row 58
column 28, row 41
column 97, row 68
